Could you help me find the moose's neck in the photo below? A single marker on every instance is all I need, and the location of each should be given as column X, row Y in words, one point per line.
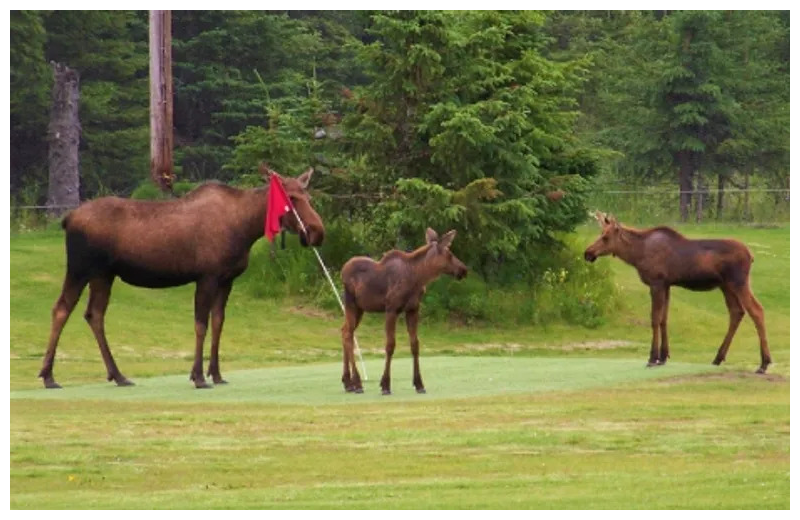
column 255, row 213
column 631, row 248
column 423, row 271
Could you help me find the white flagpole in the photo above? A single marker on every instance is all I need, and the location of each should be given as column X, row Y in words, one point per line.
column 335, row 291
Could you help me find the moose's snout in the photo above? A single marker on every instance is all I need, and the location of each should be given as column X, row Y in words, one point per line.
column 312, row 237
column 315, row 236
column 589, row 256
column 461, row 273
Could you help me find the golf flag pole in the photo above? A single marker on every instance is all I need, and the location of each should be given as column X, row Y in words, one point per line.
column 278, row 198
column 335, row 291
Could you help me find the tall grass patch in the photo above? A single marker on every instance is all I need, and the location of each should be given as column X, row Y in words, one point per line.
column 558, row 286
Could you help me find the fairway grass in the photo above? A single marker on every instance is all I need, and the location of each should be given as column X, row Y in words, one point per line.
column 448, row 378
column 553, row 417
column 680, row 441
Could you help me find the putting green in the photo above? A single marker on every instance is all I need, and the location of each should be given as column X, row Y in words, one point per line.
column 445, row 378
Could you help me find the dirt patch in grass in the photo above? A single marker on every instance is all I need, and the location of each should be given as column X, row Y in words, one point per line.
column 310, row 311
column 606, row 344
column 738, row 375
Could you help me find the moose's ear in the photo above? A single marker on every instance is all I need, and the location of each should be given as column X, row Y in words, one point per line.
column 431, row 236
column 447, row 238
column 600, row 217
column 305, row 178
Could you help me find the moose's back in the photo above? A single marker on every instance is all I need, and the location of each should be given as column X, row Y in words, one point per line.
column 160, row 243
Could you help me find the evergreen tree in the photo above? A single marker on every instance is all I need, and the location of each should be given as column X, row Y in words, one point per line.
column 109, row 51
column 30, row 84
column 474, row 127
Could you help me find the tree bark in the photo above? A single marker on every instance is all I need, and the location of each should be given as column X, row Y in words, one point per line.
column 747, row 193
column 161, row 99
column 720, row 195
column 64, row 135
column 685, row 183
column 698, row 198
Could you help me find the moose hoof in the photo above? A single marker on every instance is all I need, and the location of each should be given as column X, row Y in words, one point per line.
column 124, row 382
column 202, row 384
column 220, row 381
column 50, row 383
column 716, row 362
column 358, row 390
column 761, row 370
column 651, row 364
column 421, row 391
column 386, row 391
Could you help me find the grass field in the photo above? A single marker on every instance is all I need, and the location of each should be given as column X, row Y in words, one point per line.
column 530, row 417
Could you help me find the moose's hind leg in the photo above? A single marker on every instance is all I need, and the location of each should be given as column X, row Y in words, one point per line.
column 70, row 294
column 658, row 305
column 99, row 294
column 412, row 321
column 756, row 312
column 350, row 377
column 735, row 313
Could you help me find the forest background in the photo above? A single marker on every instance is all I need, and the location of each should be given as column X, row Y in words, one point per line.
column 507, row 126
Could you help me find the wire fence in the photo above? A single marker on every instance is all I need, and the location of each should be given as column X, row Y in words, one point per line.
column 650, row 205
column 659, row 205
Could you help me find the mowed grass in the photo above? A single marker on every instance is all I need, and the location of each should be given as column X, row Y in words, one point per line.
column 532, row 417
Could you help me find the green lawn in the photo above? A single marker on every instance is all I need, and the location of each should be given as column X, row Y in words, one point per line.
column 530, row 417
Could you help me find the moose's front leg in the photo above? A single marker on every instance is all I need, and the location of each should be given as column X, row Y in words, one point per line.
column 657, row 299
column 203, row 298
column 664, row 350
column 412, row 320
column 386, row 380
column 217, row 320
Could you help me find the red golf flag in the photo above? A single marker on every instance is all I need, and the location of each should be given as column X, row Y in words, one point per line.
column 278, row 204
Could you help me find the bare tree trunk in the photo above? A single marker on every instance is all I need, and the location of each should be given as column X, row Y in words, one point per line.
column 747, row 193
column 685, row 183
column 161, row 99
column 698, row 198
column 720, row 195
column 64, row 135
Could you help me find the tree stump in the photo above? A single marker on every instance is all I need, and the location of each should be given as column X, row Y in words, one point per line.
column 63, row 135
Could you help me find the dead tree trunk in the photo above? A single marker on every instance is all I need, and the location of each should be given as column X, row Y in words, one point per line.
column 747, row 172
column 698, row 198
column 720, row 194
column 64, row 134
column 685, row 182
column 161, row 99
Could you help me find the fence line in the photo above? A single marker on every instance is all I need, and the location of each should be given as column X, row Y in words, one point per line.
column 698, row 191
column 388, row 194
column 45, row 207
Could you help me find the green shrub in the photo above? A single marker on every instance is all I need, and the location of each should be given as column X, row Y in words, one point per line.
column 566, row 289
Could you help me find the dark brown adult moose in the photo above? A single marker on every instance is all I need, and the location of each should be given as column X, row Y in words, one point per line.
column 393, row 285
column 203, row 237
column 663, row 257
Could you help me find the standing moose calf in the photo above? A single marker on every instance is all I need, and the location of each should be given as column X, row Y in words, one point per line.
column 663, row 257
column 393, row 285
column 203, row 237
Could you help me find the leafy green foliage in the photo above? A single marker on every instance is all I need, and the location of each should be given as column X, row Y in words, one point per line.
column 29, row 96
column 500, row 125
column 473, row 125
column 109, row 51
